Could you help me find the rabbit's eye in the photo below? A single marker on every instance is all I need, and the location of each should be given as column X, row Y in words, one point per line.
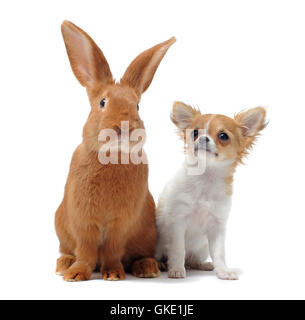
column 138, row 107
column 102, row 103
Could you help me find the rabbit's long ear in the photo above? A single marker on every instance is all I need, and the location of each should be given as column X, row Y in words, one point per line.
column 87, row 60
column 142, row 69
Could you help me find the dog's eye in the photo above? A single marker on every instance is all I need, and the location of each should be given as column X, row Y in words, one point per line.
column 223, row 136
column 102, row 103
column 138, row 107
column 195, row 134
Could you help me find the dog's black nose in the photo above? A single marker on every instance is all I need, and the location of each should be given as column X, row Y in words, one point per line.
column 204, row 139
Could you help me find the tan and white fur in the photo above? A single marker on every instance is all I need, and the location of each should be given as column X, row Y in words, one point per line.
column 193, row 209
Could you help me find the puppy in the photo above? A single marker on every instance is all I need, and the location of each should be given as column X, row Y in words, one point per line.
column 194, row 206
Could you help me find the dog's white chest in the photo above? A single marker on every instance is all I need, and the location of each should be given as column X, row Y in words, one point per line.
column 208, row 200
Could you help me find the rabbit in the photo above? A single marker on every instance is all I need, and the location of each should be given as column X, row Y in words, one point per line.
column 107, row 216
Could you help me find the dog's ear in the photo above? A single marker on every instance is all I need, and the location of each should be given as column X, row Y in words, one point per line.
column 182, row 115
column 88, row 62
column 251, row 122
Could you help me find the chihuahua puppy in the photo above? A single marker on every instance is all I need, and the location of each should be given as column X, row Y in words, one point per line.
column 193, row 208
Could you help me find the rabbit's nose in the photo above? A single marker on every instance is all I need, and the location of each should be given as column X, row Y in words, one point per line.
column 117, row 129
column 120, row 130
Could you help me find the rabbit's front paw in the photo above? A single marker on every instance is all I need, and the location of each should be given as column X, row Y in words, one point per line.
column 113, row 274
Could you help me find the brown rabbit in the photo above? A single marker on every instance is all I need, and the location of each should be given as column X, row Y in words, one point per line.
column 107, row 216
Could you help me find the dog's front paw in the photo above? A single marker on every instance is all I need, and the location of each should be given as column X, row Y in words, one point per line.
column 226, row 274
column 177, row 273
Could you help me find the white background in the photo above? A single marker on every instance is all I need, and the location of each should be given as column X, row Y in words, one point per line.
column 229, row 55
